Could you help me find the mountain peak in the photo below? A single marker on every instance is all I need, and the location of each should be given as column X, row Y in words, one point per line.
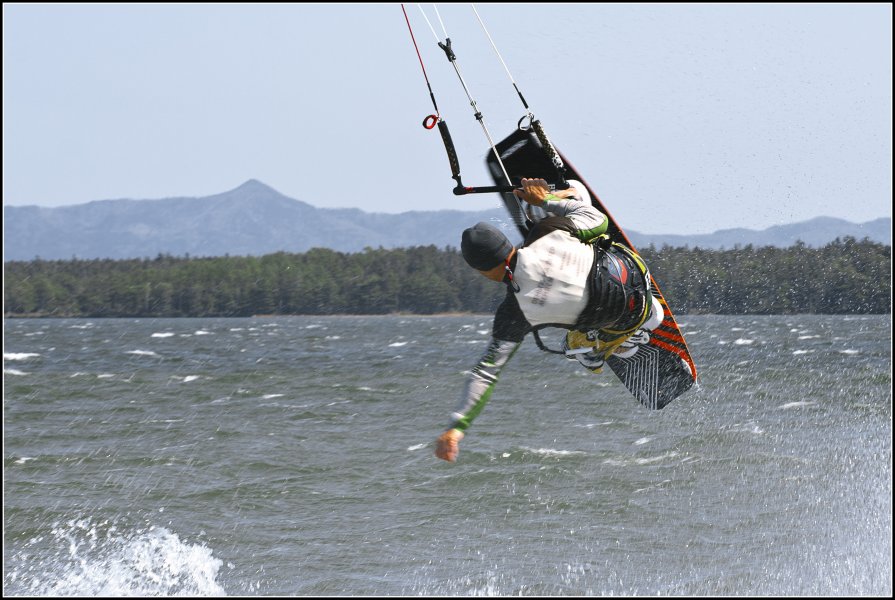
column 255, row 191
column 253, row 185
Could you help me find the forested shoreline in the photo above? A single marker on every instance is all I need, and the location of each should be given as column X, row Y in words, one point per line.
column 846, row 276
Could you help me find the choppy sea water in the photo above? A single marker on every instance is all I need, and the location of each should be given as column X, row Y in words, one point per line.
column 293, row 456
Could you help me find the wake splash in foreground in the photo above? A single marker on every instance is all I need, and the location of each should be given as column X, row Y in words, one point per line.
column 103, row 559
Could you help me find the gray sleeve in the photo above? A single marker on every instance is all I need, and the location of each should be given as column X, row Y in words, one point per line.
column 587, row 219
column 481, row 382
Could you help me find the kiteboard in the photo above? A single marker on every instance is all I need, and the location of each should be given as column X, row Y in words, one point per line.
column 659, row 370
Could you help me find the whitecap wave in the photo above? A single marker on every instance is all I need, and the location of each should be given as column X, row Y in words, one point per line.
column 655, row 459
column 553, row 452
column 19, row 355
column 628, row 461
column 799, row 404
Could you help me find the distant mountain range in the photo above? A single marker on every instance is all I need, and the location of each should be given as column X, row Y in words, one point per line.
column 254, row 219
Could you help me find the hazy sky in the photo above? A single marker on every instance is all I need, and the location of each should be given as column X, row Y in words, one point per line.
column 684, row 118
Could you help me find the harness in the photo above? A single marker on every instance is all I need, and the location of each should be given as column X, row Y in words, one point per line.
column 619, row 285
column 619, row 280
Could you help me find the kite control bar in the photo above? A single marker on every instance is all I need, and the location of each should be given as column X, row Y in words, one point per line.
column 430, row 121
column 462, row 190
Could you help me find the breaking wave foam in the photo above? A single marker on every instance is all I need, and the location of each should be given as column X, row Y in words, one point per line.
column 99, row 559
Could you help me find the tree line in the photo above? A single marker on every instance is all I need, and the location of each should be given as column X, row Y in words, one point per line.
column 846, row 276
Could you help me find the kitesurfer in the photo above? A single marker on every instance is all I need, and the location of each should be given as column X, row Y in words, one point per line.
column 565, row 274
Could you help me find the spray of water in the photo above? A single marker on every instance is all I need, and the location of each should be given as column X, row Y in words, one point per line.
column 82, row 557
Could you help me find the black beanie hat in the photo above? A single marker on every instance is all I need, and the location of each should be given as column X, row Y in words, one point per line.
column 484, row 247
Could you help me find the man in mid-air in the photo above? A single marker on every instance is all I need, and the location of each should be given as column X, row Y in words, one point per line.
column 565, row 274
